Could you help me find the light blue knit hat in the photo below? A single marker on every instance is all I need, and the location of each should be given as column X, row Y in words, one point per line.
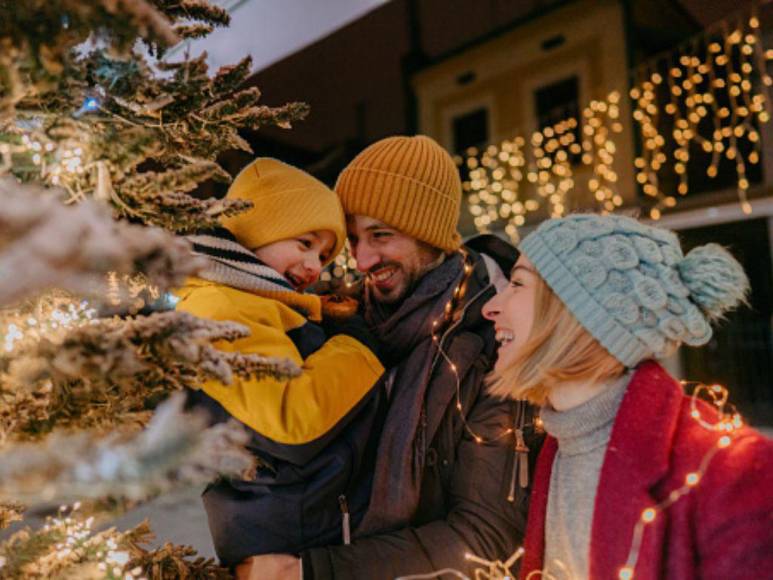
column 631, row 287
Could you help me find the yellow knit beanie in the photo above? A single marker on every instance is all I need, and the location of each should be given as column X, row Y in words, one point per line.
column 409, row 183
column 287, row 202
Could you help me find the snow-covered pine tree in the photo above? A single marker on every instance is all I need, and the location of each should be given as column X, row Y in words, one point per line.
column 102, row 142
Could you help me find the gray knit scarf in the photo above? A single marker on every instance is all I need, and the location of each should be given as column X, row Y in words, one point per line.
column 406, row 337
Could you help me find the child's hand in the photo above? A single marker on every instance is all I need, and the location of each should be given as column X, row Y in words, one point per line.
column 338, row 307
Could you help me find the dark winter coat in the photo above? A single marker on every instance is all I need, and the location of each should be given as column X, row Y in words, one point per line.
column 469, row 501
column 722, row 529
column 314, row 435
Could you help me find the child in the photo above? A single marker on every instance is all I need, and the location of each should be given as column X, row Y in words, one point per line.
column 629, row 483
column 312, row 434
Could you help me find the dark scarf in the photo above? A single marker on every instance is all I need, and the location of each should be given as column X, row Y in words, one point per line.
column 406, row 336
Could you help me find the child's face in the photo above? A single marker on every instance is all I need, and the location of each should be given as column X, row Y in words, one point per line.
column 512, row 312
column 299, row 259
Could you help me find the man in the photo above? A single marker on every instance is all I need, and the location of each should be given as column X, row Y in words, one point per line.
column 451, row 475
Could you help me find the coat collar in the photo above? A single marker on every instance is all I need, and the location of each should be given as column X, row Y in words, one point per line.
column 307, row 305
column 637, row 458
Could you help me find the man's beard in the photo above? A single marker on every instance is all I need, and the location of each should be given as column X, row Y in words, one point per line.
column 394, row 296
column 411, row 279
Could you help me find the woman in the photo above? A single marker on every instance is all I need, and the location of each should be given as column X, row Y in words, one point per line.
column 633, row 480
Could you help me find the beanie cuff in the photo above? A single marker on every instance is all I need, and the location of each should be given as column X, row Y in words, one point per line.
column 613, row 336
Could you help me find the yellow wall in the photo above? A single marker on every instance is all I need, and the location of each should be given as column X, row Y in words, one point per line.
column 509, row 68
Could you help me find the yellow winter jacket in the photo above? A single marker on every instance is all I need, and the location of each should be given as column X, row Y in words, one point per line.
column 334, row 378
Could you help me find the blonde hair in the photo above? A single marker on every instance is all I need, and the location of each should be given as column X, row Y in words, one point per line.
column 557, row 350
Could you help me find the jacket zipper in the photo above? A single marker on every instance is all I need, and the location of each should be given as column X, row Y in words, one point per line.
column 346, row 531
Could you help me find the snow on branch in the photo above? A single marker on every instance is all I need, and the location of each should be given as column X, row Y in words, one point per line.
column 45, row 244
column 176, row 449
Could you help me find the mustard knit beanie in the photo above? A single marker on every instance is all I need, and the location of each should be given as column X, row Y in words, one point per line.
column 287, row 202
column 409, row 183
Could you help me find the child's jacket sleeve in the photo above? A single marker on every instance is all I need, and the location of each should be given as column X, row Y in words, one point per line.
column 293, row 412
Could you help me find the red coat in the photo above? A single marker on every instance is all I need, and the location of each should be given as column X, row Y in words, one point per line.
column 722, row 529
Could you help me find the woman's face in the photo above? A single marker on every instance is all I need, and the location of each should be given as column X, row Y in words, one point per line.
column 512, row 312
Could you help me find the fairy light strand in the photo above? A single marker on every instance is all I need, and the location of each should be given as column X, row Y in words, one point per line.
column 726, row 426
column 701, row 106
column 442, row 324
column 486, row 570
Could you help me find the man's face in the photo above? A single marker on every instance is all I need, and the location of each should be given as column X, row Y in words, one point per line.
column 392, row 261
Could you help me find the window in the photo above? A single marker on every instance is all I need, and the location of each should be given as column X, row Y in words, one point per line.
column 470, row 130
column 557, row 102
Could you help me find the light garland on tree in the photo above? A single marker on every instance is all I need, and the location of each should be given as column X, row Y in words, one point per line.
column 50, row 317
column 686, row 109
column 58, row 311
column 68, row 540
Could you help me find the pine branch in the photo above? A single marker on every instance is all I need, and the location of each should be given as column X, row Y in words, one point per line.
column 170, row 561
column 105, row 124
column 45, row 244
column 113, row 371
column 10, row 512
column 49, row 30
column 175, row 450
column 188, row 31
column 194, row 10
column 282, row 116
column 68, row 546
column 230, row 77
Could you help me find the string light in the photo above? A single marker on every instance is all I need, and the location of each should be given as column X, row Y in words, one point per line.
column 696, row 105
column 727, row 422
column 59, row 162
column 487, row 570
column 50, row 318
column 58, row 312
column 441, row 325
column 74, row 536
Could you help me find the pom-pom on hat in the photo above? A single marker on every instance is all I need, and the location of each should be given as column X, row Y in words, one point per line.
column 630, row 285
column 287, row 202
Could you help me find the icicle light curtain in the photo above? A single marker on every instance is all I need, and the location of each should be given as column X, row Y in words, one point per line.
column 697, row 113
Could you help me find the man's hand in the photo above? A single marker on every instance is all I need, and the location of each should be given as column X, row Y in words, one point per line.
column 269, row 567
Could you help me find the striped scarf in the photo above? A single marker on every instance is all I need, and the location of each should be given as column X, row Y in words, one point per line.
column 233, row 265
